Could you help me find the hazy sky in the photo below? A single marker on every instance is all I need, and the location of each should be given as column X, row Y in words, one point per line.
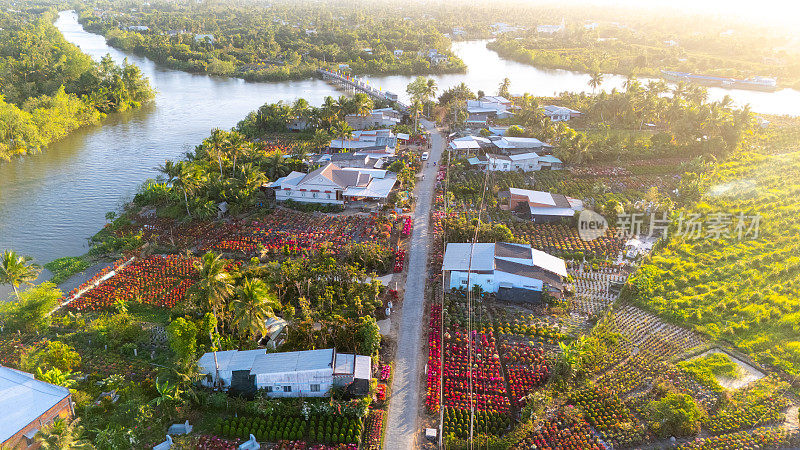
column 784, row 12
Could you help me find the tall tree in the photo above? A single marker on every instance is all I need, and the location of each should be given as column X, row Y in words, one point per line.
column 16, row 269
column 215, row 283
column 252, row 306
column 595, row 80
column 502, row 91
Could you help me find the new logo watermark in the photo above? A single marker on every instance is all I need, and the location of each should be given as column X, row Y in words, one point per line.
column 591, row 225
column 692, row 226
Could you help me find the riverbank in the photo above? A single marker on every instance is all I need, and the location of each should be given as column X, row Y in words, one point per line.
column 72, row 92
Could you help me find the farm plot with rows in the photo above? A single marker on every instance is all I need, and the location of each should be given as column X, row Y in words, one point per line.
column 563, row 240
column 155, row 280
column 292, row 232
column 284, row 231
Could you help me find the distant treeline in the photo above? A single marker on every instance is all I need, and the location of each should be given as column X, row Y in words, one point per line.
column 279, row 41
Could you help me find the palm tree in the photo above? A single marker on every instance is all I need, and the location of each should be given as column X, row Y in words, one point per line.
column 362, row 104
column 416, row 106
column 16, row 269
column 235, row 144
column 62, row 435
column 252, row 306
column 342, row 130
column 429, row 92
column 328, row 110
column 215, row 284
column 321, row 138
column 502, row 91
column 217, row 140
column 251, row 177
column 190, row 177
column 595, row 80
column 301, row 108
column 214, row 287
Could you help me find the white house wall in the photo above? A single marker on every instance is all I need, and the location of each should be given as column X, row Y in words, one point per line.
column 300, row 382
column 491, row 282
column 307, row 196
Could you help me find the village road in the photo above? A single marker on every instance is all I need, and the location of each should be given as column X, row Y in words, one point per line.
column 406, row 403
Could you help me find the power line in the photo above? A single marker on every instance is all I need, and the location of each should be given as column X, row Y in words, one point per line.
column 470, row 348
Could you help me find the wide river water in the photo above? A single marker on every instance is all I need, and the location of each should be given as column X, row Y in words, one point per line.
column 51, row 203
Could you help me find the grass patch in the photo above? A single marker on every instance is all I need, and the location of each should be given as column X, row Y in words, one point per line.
column 706, row 369
column 63, row 268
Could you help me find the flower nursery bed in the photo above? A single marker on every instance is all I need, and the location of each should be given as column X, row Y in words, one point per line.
column 563, row 240
column 155, row 280
column 567, row 432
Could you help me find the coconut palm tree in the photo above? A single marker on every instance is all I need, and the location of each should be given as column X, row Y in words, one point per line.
column 416, row 107
column 328, row 110
column 429, row 93
column 215, row 284
column 595, row 80
column 217, row 141
column 235, row 144
column 502, row 91
column 342, row 130
column 252, row 306
column 62, row 435
column 16, row 269
column 189, row 178
column 321, row 138
column 362, row 104
column 301, row 108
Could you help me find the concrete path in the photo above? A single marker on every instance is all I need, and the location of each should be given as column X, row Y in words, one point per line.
column 406, row 402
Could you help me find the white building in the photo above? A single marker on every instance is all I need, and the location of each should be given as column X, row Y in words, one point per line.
column 384, row 117
column 487, row 108
column 500, row 144
column 539, row 206
column 514, row 272
column 549, row 29
column 560, row 113
column 204, row 37
column 366, row 139
column 27, row 405
column 332, row 184
column 311, row 373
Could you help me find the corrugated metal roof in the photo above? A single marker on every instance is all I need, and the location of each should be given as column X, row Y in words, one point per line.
column 23, row 399
column 260, row 362
column 363, row 370
column 456, row 257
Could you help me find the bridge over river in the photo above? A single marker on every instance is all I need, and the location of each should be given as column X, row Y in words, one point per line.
column 355, row 84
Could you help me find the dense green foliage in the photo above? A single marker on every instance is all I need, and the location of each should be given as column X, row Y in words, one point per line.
column 225, row 167
column 275, row 41
column 29, row 311
column 50, row 88
column 638, row 123
column 675, row 415
column 63, row 268
column 743, row 290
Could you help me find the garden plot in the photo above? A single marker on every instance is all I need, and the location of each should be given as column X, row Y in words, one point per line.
column 563, row 240
column 746, row 373
column 593, row 293
column 647, row 333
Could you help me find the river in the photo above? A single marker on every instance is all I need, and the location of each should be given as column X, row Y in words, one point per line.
column 51, row 203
